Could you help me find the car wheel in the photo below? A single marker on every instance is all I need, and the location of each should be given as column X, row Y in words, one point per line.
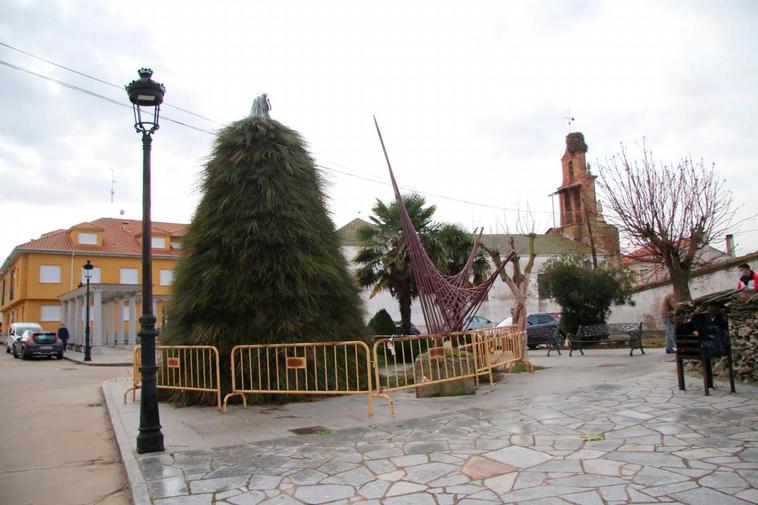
column 23, row 354
column 60, row 355
column 531, row 347
column 7, row 349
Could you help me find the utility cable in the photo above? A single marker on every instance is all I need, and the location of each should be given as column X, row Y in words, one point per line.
column 40, row 58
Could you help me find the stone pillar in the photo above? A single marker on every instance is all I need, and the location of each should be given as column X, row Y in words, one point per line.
column 132, row 319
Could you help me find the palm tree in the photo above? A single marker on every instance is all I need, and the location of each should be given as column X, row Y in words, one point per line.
column 384, row 259
column 454, row 245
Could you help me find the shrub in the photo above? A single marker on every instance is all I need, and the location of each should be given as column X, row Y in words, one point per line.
column 585, row 294
column 382, row 324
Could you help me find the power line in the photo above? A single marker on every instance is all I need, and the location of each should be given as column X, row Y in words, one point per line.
column 96, row 95
column 98, row 79
column 409, row 188
column 375, row 180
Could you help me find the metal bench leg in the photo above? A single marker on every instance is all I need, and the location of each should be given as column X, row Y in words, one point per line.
column 706, row 372
column 680, row 372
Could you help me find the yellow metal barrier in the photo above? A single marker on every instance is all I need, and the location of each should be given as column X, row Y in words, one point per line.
column 136, row 377
column 409, row 362
column 182, row 368
column 502, row 347
column 319, row 368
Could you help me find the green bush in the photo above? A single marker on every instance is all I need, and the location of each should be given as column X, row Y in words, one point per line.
column 382, row 324
column 585, row 294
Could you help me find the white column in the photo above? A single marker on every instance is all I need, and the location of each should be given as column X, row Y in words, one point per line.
column 120, row 321
column 133, row 319
column 76, row 328
column 97, row 319
column 110, row 336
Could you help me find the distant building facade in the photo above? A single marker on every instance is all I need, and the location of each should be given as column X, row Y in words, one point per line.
column 43, row 281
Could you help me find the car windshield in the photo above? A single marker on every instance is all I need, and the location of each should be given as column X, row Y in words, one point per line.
column 44, row 338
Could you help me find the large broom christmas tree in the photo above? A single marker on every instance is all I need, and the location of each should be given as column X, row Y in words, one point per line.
column 261, row 261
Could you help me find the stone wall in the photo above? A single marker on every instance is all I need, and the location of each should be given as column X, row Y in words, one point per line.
column 741, row 307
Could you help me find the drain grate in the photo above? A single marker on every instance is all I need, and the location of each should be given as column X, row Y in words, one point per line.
column 68, row 369
column 310, row 430
column 95, row 404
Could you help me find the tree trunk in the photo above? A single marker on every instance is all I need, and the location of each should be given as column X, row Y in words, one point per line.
column 404, row 300
column 680, row 280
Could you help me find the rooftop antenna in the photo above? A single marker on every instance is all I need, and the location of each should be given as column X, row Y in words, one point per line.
column 113, row 184
column 568, row 117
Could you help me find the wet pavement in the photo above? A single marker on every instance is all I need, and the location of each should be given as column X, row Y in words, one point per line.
column 599, row 429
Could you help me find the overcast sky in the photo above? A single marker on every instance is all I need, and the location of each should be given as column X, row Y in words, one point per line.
column 471, row 96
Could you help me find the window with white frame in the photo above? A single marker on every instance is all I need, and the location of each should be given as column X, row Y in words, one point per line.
column 159, row 242
column 50, row 274
column 176, row 244
column 96, row 276
column 129, row 276
column 167, row 277
column 50, row 313
column 86, row 238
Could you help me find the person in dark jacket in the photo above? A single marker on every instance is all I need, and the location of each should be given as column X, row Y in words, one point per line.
column 63, row 335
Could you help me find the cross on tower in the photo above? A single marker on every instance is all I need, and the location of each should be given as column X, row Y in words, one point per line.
column 569, row 118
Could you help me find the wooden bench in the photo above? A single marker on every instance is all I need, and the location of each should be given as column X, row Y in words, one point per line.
column 599, row 333
column 703, row 338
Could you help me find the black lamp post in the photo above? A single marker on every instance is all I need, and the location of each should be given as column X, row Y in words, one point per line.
column 88, row 267
column 146, row 96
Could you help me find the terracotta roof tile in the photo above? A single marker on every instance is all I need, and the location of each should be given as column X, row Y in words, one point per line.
column 119, row 237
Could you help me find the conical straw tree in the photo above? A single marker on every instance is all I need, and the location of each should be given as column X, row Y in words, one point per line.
column 261, row 261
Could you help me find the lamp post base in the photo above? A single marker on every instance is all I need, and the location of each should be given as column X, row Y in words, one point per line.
column 150, row 441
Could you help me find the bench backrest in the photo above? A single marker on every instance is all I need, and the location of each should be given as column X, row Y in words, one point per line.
column 604, row 330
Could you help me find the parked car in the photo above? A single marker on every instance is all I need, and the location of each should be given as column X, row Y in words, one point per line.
column 540, row 326
column 414, row 329
column 478, row 322
column 15, row 332
column 38, row 343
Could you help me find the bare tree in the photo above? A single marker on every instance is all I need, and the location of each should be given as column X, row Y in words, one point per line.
column 518, row 280
column 670, row 211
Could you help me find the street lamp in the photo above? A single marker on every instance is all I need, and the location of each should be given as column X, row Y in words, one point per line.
column 146, row 96
column 88, row 267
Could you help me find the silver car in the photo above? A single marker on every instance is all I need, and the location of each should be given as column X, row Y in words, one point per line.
column 16, row 331
column 478, row 323
column 38, row 343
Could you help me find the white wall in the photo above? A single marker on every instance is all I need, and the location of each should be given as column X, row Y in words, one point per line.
column 648, row 302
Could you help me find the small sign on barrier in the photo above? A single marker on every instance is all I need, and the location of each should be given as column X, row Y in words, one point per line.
column 173, row 363
column 436, row 352
column 298, row 363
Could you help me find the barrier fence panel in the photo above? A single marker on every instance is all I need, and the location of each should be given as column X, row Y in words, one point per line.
column 182, row 368
column 503, row 347
column 416, row 361
column 319, row 368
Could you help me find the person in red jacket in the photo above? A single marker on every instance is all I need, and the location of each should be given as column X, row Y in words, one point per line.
column 748, row 278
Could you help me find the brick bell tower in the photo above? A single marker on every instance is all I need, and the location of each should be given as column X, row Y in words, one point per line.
column 580, row 216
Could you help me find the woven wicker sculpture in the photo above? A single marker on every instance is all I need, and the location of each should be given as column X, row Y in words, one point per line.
column 445, row 301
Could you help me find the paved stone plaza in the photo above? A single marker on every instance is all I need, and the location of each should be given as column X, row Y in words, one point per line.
column 648, row 443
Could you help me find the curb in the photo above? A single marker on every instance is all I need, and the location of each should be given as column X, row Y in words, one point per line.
column 137, row 484
column 90, row 363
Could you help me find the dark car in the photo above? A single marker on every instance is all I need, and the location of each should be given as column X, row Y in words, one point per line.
column 540, row 327
column 414, row 330
column 38, row 343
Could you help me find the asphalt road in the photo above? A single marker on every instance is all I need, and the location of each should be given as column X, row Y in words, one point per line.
column 56, row 441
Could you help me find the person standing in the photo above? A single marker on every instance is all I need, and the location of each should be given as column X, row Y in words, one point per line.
column 748, row 278
column 63, row 335
column 667, row 308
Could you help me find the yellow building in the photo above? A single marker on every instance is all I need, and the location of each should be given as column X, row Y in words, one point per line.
column 43, row 280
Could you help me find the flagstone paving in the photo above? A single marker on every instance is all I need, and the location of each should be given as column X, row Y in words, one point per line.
column 635, row 441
